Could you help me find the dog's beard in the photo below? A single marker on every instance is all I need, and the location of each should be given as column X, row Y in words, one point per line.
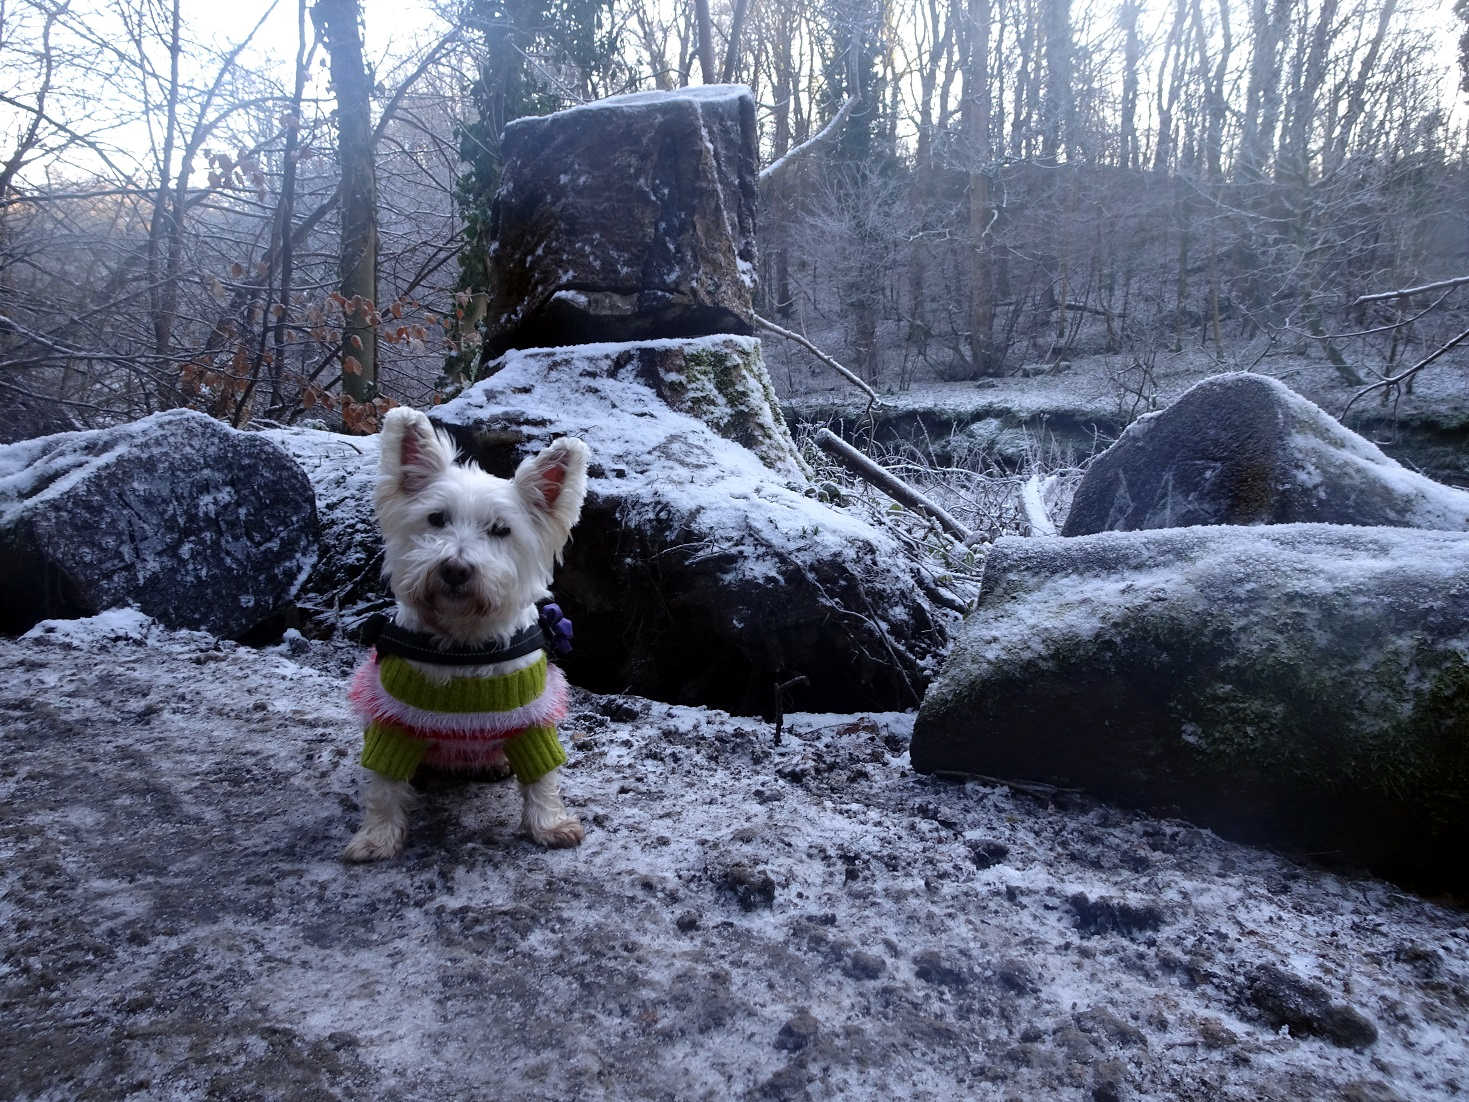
column 482, row 606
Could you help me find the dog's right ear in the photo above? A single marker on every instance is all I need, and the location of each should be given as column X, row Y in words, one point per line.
column 413, row 454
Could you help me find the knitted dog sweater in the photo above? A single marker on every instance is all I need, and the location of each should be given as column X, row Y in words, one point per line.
column 461, row 723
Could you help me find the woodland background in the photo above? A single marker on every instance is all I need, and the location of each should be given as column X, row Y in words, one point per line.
column 277, row 229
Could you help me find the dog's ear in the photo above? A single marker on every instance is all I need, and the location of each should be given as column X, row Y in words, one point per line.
column 553, row 485
column 413, row 454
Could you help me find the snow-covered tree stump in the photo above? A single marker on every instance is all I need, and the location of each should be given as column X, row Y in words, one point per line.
column 629, row 218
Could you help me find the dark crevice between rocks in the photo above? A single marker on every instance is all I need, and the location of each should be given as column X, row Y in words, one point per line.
column 660, row 316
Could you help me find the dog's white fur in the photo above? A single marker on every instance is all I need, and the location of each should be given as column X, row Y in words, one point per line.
column 468, row 555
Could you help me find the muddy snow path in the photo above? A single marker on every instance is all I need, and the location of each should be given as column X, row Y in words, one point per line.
column 808, row 919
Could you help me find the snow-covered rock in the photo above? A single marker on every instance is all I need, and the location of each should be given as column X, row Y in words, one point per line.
column 627, row 218
column 1242, row 448
column 178, row 923
column 697, row 573
column 347, row 576
column 1304, row 685
column 194, row 523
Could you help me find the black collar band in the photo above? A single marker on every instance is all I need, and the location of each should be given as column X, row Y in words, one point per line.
column 420, row 646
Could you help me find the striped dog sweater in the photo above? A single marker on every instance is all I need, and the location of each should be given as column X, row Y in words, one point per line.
column 462, row 723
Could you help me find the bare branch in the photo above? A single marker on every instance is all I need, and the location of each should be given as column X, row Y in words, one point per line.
column 765, row 323
column 772, row 174
column 1403, row 376
column 1457, row 281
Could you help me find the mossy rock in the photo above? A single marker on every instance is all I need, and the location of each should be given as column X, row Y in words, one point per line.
column 1242, row 448
column 705, row 569
column 719, row 380
column 1300, row 685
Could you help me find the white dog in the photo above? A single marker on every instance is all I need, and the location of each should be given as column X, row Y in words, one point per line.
column 459, row 678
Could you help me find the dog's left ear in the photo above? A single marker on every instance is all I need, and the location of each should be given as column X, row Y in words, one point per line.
column 553, row 485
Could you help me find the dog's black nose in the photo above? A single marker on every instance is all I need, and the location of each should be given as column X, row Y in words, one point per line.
column 454, row 573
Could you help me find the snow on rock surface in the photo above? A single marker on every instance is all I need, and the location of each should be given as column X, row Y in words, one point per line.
column 194, row 523
column 698, row 574
column 744, row 920
column 1242, row 448
column 347, row 576
column 624, row 219
column 1306, row 685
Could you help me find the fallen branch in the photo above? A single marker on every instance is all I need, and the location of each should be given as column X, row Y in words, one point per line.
column 1403, row 376
column 1457, row 281
column 940, row 596
column 1037, row 789
column 887, row 482
column 765, row 323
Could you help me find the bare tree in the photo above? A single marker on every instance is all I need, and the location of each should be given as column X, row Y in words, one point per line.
column 339, row 23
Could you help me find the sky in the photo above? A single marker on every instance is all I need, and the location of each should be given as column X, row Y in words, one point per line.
column 397, row 29
column 393, row 27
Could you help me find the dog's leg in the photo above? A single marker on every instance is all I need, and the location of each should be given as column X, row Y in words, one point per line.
column 545, row 818
column 385, row 822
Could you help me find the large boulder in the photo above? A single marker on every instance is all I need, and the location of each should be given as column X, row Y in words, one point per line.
column 347, row 578
column 699, row 574
column 1242, row 448
column 624, row 219
column 1303, row 685
column 194, row 523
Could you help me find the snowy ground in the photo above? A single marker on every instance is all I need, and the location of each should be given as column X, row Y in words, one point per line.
column 1109, row 387
column 745, row 918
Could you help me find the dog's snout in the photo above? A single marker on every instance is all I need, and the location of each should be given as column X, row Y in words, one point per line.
column 455, row 572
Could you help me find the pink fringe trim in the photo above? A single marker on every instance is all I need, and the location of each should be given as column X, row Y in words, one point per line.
column 372, row 702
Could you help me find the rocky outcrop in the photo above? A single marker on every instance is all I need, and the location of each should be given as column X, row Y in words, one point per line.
column 197, row 525
column 347, row 576
column 697, row 572
column 629, row 218
column 1246, row 449
column 1302, row 685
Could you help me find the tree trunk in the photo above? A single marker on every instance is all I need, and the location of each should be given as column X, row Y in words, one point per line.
column 777, row 212
column 357, row 261
column 1357, row 97
column 1262, row 99
column 705, row 28
column 286, row 213
column 976, row 120
column 158, row 227
column 732, row 53
column 924, row 171
column 1059, row 109
column 1128, row 154
column 1175, row 48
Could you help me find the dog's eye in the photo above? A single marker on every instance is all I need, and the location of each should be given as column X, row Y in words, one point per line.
column 438, row 518
column 499, row 531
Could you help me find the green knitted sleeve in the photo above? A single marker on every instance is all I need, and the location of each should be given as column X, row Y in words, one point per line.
column 534, row 752
column 391, row 751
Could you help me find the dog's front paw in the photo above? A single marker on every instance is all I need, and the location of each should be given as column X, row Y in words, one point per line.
column 561, row 834
column 375, row 842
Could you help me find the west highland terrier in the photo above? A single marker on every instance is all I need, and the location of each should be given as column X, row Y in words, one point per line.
column 460, row 678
